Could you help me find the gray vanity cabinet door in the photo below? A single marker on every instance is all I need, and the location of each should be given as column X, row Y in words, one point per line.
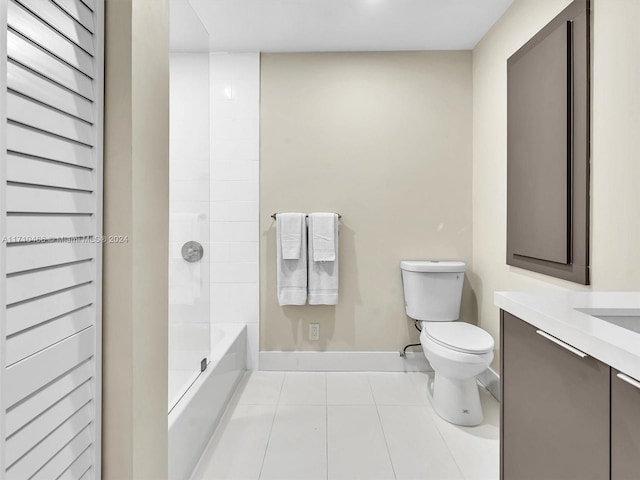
column 625, row 428
column 548, row 148
column 555, row 409
column 538, row 196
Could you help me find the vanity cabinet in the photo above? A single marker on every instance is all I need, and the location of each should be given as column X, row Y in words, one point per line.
column 625, row 426
column 555, row 409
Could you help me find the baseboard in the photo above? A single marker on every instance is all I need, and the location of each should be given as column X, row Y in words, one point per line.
column 361, row 362
column 491, row 381
column 344, row 361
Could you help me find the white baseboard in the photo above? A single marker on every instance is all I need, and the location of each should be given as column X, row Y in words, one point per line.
column 491, row 381
column 361, row 362
column 344, row 361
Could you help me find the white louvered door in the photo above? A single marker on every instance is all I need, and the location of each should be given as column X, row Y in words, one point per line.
column 51, row 91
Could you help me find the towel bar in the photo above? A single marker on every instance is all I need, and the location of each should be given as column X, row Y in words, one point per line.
column 275, row 214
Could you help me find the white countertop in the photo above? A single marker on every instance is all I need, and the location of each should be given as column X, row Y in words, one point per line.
column 557, row 314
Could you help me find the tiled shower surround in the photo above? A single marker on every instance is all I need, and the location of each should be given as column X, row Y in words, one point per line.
column 234, row 188
column 214, row 200
column 189, row 312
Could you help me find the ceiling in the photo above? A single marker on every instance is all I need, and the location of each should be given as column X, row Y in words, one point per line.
column 336, row 25
column 186, row 31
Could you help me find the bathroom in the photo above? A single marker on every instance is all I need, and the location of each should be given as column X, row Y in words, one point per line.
column 220, row 114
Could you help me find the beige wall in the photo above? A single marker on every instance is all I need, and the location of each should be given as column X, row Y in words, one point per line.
column 384, row 139
column 615, row 229
column 136, row 204
column 615, row 222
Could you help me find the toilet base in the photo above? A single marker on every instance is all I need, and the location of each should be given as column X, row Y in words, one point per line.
column 457, row 401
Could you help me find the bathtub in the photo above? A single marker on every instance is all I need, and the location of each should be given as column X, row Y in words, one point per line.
column 196, row 415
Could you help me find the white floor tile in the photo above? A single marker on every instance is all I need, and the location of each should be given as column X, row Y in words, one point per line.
column 399, row 388
column 261, row 388
column 237, row 449
column 304, row 388
column 346, row 388
column 316, row 425
column 476, row 450
column 356, row 444
column 297, row 448
column 418, row 451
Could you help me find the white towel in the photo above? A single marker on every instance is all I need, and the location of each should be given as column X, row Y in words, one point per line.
column 292, row 274
column 324, row 236
column 323, row 275
column 289, row 228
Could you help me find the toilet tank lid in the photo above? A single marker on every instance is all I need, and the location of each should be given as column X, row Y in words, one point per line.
column 432, row 266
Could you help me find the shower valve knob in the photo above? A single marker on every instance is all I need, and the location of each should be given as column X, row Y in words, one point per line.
column 192, row 251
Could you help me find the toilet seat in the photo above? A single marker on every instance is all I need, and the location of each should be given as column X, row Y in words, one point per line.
column 459, row 336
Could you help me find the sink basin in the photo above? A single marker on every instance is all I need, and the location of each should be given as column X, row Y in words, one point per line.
column 628, row 318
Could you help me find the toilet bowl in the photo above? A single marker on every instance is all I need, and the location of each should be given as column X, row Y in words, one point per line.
column 457, row 351
column 453, row 389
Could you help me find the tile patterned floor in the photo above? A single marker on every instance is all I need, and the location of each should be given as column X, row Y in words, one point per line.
column 346, row 426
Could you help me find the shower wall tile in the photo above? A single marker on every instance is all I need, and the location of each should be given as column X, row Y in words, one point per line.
column 234, row 231
column 240, row 252
column 234, row 272
column 233, row 81
column 179, row 234
column 234, row 192
column 196, row 170
column 235, row 211
column 188, row 207
column 230, row 149
column 189, row 114
column 239, row 170
column 189, row 335
column 185, row 273
column 189, row 204
column 189, row 191
column 184, row 294
column 235, row 303
column 196, row 313
column 235, row 127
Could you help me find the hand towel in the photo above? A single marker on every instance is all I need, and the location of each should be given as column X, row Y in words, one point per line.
column 289, row 227
column 323, row 276
column 292, row 274
column 324, row 236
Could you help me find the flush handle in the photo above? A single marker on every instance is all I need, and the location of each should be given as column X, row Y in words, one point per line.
column 629, row 380
column 566, row 346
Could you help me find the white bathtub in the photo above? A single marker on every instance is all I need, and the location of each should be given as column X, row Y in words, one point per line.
column 195, row 417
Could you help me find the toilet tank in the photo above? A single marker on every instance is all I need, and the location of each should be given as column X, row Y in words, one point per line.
column 432, row 289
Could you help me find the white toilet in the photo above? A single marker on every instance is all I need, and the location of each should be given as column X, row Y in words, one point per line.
column 457, row 351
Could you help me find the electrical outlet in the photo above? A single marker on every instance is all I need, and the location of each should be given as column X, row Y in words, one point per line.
column 314, row 331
